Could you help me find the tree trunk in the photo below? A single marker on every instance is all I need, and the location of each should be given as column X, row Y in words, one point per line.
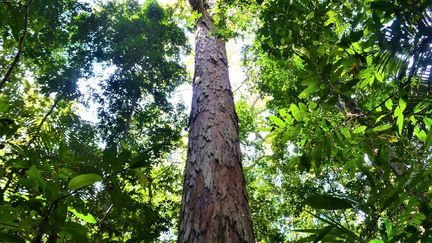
column 214, row 203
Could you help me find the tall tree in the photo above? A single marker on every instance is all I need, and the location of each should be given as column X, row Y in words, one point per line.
column 214, row 203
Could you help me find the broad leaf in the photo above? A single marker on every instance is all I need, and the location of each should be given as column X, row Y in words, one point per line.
column 276, row 120
column 37, row 178
column 83, row 180
column 389, row 104
column 86, row 218
column 327, row 202
column 360, row 129
column 295, row 112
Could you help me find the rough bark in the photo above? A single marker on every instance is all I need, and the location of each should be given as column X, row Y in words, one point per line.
column 214, row 203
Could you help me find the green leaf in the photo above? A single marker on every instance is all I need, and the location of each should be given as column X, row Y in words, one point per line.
column 389, row 104
column 389, row 229
column 295, row 112
column 109, row 154
column 83, row 180
column 400, row 122
column 379, row 76
column 8, row 216
column 356, row 47
column 327, row 202
column 428, row 122
column 303, row 108
column 380, row 118
column 421, row 106
column 311, row 88
column 283, row 113
column 369, row 60
column 65, row 173
column 345, row 132
column 86, row 218
column 37, row 178
column 334, row 18
column 4, row 104
column 420, row 134
column 402, row 105
column 142, row 160
column 59, row 214
column 122, row 159
column 367, row 76
column 381, row 128
column 276, row 120
column 52, row 191
column 312, row 105
column 428, row 139
column 397, row 112
column 360, row 129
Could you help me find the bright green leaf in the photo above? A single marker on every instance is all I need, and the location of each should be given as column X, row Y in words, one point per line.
column 420, row 134
column 83, row 180
column 402, row 105
column 389, row 104
column 276, row 120
column 360, row 129
column 428, row 122
column 428, row 140
column 400, row 122
column 345, row 132
column 381, row 128
column 295, row 112
column 303, row 108
column 283, row 113
column 379, row 76
column 86, row 218
column 380, row 118
column 312, row 87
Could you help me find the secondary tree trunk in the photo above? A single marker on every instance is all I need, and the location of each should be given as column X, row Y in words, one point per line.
column 214, row 204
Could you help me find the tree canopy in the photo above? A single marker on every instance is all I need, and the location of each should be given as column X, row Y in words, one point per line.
column 335, row 118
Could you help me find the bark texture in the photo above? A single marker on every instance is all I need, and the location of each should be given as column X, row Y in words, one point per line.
column 214, row 204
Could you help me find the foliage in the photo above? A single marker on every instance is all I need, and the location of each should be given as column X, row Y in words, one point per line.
column 67, row 179
column 350, row 110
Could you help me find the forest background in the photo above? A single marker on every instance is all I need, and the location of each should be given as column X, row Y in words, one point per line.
column 334, row 115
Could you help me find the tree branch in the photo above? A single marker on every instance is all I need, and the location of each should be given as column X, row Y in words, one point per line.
column 20, row 46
